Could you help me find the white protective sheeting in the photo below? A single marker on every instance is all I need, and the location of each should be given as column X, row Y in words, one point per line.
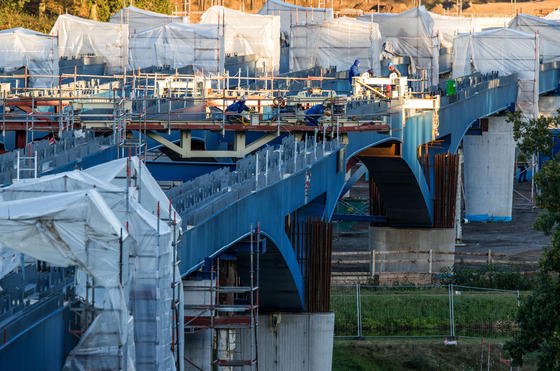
column 38, row 52
column 506, row 51
column 446, row 27
column 9, row 260
column 337, row 43
column 78, row 37
column 411, row 33
column 178, row 45
column 152, row 291
column 151, row 259
column 548, row 32
column 79, row 229
column 139, row 19
column 554, row 15
column 292, row 15
column 246, row 34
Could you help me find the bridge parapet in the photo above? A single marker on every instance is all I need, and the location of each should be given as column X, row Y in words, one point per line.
column 201, row 198
column 56, row 156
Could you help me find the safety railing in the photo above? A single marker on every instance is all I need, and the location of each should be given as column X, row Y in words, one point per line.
column 202, row 197
column 50, row 154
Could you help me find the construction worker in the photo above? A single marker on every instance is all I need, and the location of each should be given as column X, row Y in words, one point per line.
column 393, row 69
column 313, row 114
column 353, row 72
column 234, row 111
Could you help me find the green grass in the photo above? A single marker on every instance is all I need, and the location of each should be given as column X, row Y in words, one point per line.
column 423, row 312
column 418, row 354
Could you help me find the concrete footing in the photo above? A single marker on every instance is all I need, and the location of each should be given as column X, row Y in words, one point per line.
column 412, row 250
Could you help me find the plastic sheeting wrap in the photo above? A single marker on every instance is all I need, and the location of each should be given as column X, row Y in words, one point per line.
column 554, row 15
column 506, row 51
column 292, row 15
column 38, row 52
column 178, row 45
column 139, row 19
column 9, row 260
column 79, row 229
column 448, row 26
column 246, row 34
column 78, row 37
column 547, row 30
column 145, row 210
column 411, row 33
column 152, row 290
column 335, row 43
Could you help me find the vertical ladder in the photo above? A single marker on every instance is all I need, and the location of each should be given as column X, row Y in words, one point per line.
column 22, row 163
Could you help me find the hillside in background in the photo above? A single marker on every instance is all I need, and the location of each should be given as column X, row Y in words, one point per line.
column 40, row 15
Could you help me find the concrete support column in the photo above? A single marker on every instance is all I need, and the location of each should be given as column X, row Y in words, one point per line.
column 489, row 169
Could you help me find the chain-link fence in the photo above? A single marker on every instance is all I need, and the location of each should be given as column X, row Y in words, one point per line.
column 444, row 310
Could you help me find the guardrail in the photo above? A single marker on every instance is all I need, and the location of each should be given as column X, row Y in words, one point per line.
column 52, row 154
column 369, row 264
column 202, row 197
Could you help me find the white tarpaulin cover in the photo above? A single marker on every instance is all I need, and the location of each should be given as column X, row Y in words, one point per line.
column 337, row 43
column 139, row 19
column 554, row 15
column 178, row 45
column 246, row 34
column 506, row 51
column 448, row 26
column 411, row 33
column 38, row 52
column 291, row 15
column 145, row 211
column 79, row 229
column 548, row 31
column 78, row 37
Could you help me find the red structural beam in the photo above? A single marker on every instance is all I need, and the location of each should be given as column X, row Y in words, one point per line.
column 42, row 122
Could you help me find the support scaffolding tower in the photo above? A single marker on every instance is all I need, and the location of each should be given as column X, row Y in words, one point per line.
column 230, row 311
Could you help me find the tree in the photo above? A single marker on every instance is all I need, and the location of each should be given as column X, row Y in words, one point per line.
column 538, row 317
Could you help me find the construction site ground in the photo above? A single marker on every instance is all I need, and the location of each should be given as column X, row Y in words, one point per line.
column 518, row 240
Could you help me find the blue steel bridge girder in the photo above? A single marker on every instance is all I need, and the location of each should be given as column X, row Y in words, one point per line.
column 268, row 207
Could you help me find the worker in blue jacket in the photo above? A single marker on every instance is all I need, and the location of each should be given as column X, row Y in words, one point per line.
column 353, row 72
column 234, row 110
column 313, row 114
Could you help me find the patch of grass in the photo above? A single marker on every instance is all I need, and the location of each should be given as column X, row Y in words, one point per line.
column 418, row 354
column 423, row 312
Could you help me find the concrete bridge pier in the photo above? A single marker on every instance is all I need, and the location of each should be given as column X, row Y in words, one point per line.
column 489, row 161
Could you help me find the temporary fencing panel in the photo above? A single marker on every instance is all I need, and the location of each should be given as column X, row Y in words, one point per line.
column 337, row 43
column 429, row 311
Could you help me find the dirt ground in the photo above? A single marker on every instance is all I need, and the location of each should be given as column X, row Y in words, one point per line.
column 517, row 238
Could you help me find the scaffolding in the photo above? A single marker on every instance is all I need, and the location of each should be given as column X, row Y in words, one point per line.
column 231, row 310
